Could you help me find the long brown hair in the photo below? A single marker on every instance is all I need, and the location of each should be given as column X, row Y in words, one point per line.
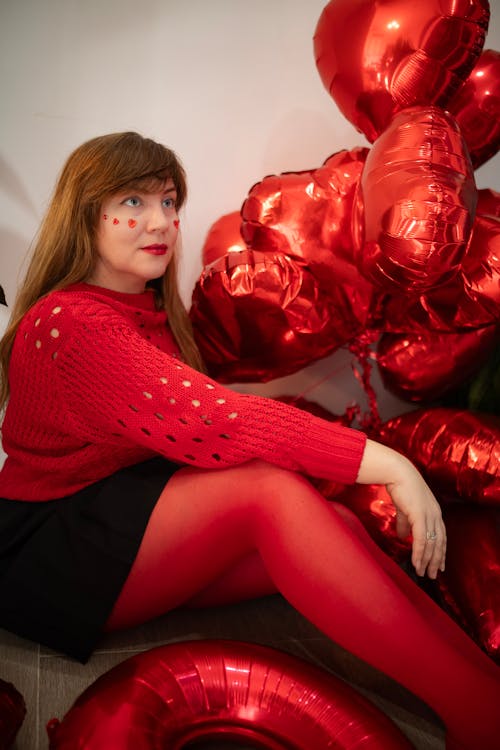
column 64, row 251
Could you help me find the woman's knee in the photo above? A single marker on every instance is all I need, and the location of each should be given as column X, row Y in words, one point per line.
column 271, row 481
column 250, row 488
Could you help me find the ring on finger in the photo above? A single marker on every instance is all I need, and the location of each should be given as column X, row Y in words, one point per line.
column 431, row 536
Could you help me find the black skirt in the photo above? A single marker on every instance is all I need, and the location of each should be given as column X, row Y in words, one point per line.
column 63, row 562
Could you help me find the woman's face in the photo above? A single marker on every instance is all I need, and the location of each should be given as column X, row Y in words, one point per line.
column 136, row 237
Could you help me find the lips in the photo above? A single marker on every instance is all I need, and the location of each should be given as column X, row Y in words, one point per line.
column 155, row 249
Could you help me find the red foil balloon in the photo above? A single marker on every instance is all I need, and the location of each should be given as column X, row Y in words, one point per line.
column 470, row 300
column 373, row 506
column 224, row 690
column 488, row 202
column 419, row 199
column 223, row 237
column 476, row 107
column 258, row 316
column 458, row 451
column 471, row 582
column 12, row 713
column 308, row 216
column 424, row 366
column 377, row 57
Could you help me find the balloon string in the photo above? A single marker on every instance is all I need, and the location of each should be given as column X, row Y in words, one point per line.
column 348, row 417
column 317, row 383
column 369, row 421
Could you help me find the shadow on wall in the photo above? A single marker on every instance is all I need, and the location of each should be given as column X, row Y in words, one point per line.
column 14, row 187
column 4, row 319
column 14, row 246
column 14, row 250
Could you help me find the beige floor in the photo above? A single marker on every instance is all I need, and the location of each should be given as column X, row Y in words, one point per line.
column 50, row 683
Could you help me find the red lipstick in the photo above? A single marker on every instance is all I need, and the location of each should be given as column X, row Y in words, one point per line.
column 155, row 249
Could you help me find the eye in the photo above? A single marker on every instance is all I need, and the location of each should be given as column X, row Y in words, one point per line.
column 169, row 203
column 133, row 202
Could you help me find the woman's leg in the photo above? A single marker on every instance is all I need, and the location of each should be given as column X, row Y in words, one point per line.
column 207, row 522
column 247, row 579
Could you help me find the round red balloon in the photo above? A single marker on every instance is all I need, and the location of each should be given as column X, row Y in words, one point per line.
column 378, row 57
column 223, row 690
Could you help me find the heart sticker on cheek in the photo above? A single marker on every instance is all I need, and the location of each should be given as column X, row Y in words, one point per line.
column 115, row 221
column 132, row 223
column 176, row 223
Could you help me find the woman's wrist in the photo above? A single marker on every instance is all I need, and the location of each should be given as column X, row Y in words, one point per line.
column 382, row 465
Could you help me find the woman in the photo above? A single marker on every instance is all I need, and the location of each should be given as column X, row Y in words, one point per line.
column 134, row 483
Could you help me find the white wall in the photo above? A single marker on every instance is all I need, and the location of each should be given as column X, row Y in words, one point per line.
column 231, row 85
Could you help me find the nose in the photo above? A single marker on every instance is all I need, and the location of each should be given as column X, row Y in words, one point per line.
column 158, row 219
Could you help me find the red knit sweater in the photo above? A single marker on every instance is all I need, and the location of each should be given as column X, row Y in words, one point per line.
column 97, row 384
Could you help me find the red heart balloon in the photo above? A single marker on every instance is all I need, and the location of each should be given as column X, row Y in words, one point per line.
column 308, row 216
column 419, row 198
column 373, row 506
column 258, row 316
column 377, row 57
column 476, row 107
column 472, row 298
column 458, row 451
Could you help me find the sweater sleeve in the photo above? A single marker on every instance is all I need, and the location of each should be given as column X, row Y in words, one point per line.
column 117, row 386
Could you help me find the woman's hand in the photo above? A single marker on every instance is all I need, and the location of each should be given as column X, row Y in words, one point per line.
column 417, row 509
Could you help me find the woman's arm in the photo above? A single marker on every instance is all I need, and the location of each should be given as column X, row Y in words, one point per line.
column 417, row 509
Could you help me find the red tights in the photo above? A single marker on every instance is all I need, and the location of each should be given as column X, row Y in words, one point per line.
column 216, row 536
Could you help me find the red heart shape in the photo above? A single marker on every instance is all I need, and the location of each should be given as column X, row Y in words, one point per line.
column 376, row 58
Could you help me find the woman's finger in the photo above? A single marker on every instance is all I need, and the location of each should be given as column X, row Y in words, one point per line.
column 435, row 547
column 419, row 546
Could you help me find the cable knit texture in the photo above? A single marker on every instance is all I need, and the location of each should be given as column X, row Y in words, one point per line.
column 97, row 384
